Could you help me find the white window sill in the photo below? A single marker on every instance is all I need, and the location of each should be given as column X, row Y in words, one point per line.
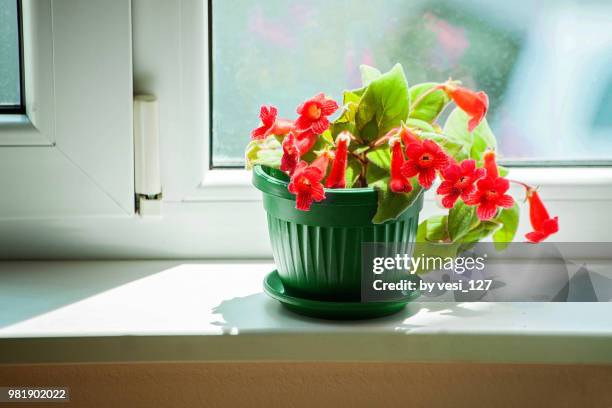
column 99, row 311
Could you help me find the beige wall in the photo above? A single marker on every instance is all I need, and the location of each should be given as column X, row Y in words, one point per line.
column 319, row 385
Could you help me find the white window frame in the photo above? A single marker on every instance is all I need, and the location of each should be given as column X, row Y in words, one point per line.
column 217, row 213
column 187, row 175
column 71, row 153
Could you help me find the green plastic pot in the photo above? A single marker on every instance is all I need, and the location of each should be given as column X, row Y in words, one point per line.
column 318, row 252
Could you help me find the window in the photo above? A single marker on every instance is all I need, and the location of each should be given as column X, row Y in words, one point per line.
column 78, row 190
column 545, row 65
column 11, row 98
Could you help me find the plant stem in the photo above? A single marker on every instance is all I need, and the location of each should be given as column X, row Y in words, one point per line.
column 431, row 90
column 361, row 158
column 520, row 183
column 358, row 139
column 422, row 96
column 363, row 181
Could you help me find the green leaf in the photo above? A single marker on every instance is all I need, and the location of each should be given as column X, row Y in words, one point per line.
column 360, row 149
column 267, row 152
column 482, row 230
column 419, row 124
column 381, row 157
column 368, row 74
column 429, row 107
column 461, row 219
column 429, row 250
column 476, row 142
column 328, row 136
column 353, row 170
column 432, row 241
column 390, row 204
column 338, row 127
column 346, row 121
column 433, row 229
column 369, row 131
column 509, row 220
column 377, row 176
column 479, row 146
column 503, row 171
column 383, row 106
column 353, row 95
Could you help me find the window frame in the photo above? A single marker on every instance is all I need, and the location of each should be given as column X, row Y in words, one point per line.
column 57, row 136
column 33, row 125
column 18, row 109
column 207, row 182
column 190, row 180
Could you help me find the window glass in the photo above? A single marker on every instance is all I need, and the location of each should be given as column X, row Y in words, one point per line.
column 9, row 55
column 546, row 65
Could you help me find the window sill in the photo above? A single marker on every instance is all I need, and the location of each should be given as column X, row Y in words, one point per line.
column 127, row 311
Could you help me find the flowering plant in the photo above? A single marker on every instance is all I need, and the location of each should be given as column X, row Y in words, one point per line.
column 386, row 136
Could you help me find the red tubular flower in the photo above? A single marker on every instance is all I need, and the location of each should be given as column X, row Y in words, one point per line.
column 490, row 165
column 490, row 193
column 459, row 181
column 270, row 124
column 543, row 225
column 306, row 182
column 291, row 154
column 475, row 104
column 423, row 160
column 322, row 162
column 314, row 112
column 398, row 183
column 337, row 174
column 282, row 127
column 305, row 140
column 408, row 137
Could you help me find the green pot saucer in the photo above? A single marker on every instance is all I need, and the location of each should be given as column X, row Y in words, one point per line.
column 322, row 309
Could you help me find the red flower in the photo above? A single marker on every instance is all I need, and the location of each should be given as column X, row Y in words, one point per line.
column 305, row 140
column 475, row 104
column 489, row 164
column 543, row 225
column 306, row 182
column 295, row 146
column 459, row 181
column 408, row 137
column 398, row 183
column 291, row 154
column 424, row 159
column 490, row 193
column 322, row 162
column 314, row 112
column 270, row 124
column 337, row 174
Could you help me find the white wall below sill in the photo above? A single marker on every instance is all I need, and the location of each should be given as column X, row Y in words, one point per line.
column 130, row 311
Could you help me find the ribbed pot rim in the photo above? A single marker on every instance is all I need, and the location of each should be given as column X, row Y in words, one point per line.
column 267, row 183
